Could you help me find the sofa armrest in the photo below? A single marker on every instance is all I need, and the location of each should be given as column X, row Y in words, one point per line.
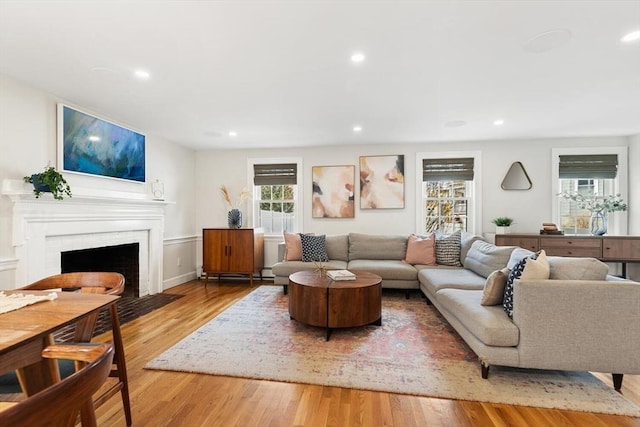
column 578, row 325
column 282, row 246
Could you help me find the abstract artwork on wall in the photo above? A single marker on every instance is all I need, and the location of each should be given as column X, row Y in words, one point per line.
column 382, row 182
column 333, row 191
column 89, row 145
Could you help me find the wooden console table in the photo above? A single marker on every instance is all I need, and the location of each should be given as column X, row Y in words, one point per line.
column 622, row 249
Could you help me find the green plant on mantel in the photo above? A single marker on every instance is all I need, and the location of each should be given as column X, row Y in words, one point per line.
column 49, row 180
column 502, row 221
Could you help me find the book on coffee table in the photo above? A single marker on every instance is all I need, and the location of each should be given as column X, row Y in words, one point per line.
column 341, row 275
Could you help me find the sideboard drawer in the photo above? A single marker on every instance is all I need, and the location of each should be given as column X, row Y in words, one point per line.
column 584, row 242
column 573, row 252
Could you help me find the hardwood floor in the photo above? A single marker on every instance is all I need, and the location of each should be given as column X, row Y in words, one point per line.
column 162, row 398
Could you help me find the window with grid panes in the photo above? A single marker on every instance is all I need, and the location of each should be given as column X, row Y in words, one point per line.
column 275, row 197
column 447, row 191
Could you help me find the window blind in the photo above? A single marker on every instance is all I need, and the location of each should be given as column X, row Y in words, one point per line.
column 460, row 169
column 599, row 166
column 275, row 174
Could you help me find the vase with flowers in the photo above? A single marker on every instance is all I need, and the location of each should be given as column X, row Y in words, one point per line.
column 599, row 208
column 234, row 216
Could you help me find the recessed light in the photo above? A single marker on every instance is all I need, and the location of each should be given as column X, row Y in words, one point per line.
column 547, row 41
column 631, row 37
column 233, row 134
column 498, row 122
column 357, row 57
column 142, row 74
column 94, row 138
column 357, row 129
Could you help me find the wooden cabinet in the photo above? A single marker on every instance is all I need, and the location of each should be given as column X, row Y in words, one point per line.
column 232, row 251
column 522, row 240
column 621, row 249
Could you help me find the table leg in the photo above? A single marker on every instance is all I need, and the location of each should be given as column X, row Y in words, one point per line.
column 120, row 361
column 39, row 375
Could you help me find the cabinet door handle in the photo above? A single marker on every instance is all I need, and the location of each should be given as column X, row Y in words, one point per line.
column 229, row 250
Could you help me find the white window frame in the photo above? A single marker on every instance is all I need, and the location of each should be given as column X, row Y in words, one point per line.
column 474, row 204
column 298, row 197
column 618, row 223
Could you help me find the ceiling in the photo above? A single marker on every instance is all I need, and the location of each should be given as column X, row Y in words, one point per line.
column 279, row 74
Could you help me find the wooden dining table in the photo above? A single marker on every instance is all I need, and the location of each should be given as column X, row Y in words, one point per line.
column 25, row 332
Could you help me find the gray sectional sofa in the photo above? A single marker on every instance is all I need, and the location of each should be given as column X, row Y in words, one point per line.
column 579, row 319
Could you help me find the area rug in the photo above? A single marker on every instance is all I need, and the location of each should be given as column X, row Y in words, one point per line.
column 415, row 351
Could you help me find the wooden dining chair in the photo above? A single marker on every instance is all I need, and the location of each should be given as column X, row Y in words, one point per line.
column 110, row 283
column 60, row 403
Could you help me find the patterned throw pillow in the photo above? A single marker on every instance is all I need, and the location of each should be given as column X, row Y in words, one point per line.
column 535, row 266
column 314, row 248
column 448, row 249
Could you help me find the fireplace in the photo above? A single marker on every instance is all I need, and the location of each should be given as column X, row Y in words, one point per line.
column 43, row 229
column 123, row 259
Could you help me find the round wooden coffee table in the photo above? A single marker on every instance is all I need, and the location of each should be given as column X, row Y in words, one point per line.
column 320, row 301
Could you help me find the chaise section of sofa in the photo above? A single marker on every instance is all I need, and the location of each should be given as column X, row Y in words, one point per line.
column 578, row 319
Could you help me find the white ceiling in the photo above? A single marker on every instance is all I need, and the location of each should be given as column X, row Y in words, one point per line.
column 279, row 74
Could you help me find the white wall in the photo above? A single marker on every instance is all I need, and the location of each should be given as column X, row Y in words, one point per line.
column 529, row 208
column 28, row 143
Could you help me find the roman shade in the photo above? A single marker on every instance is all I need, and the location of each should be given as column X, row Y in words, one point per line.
column 598, row 166
column 452, row 169
column 275, row 174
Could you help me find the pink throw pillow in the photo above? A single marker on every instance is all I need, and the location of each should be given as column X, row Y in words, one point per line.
column 421, row 250
column 293, row 246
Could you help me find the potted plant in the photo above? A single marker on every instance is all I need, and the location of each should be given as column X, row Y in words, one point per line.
column 503, row 224
column 49, row 181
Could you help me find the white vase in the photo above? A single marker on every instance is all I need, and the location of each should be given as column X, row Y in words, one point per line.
column 500, row 229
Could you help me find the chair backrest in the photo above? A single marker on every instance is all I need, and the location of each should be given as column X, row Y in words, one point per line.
column 90, row 282
column 60, row 403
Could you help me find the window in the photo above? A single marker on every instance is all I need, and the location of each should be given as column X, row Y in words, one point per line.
column 447, row 193
column 275, row 197
column 597, row 172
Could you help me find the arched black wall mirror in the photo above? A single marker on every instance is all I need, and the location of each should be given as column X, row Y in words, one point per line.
column 516, row 178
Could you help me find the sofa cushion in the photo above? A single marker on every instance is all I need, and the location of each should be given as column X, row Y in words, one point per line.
column 314, row 248
column 568, row 268
column 466, row 240
column 285, row 269
column 518, row 255
column 371, row 246
column 387, row 269
column 484, row 258
column 441, row 277
column 448, row 249
column 534, row 267
column 494, row 287
column 338, row 247
column 490, row 324
column 421, row 250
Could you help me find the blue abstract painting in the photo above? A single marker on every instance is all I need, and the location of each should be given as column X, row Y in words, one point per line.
column 97, row 147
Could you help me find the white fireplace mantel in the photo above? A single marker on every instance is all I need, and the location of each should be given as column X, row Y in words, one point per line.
column 45, row 227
